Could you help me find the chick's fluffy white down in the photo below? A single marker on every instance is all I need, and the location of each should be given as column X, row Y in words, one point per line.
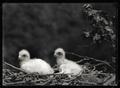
column 70, row 67
column 37, row 65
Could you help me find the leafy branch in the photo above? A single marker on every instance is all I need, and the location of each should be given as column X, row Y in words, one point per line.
column 102, row 25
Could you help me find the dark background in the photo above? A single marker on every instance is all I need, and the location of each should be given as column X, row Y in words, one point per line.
column 41, row 28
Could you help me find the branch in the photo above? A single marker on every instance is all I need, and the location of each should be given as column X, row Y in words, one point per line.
column 42, row 83
column 109, row 81
column 13, row 83
column 90, row 58
column 14, row 67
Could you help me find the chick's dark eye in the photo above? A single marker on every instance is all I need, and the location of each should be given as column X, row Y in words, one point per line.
column 59, row 53
column 24, row 55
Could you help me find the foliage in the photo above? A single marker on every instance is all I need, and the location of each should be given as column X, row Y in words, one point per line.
column 102, row 25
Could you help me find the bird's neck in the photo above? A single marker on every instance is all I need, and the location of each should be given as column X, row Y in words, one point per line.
column 24, row 61
column 61, row 60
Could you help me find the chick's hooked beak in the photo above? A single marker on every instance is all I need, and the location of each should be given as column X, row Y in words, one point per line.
column 19, row 56
column 54, row 54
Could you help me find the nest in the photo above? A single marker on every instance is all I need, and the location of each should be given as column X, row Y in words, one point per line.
column 96, row 73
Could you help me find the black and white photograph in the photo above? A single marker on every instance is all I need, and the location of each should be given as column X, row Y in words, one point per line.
column 66, row 44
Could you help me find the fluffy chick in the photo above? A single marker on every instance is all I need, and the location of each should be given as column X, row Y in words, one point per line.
column 33, row 65
column 66, row 66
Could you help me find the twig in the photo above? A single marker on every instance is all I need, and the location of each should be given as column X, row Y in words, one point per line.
column 98, row 64
column 90, row 58
column 42, row 83
column 109, row 81
column 102, row 62
column 13, row 83
column 88, row 82
column 14, row 67
column 75, row 54
column 95, row 66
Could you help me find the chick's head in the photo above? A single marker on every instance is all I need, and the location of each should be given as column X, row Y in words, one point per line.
column 59, row 53
column 23, row 55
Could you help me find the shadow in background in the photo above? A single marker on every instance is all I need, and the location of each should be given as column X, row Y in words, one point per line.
column 41, row 28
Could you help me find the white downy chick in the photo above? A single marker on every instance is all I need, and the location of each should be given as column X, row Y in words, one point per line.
column 67, row 66
column 33, row 65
